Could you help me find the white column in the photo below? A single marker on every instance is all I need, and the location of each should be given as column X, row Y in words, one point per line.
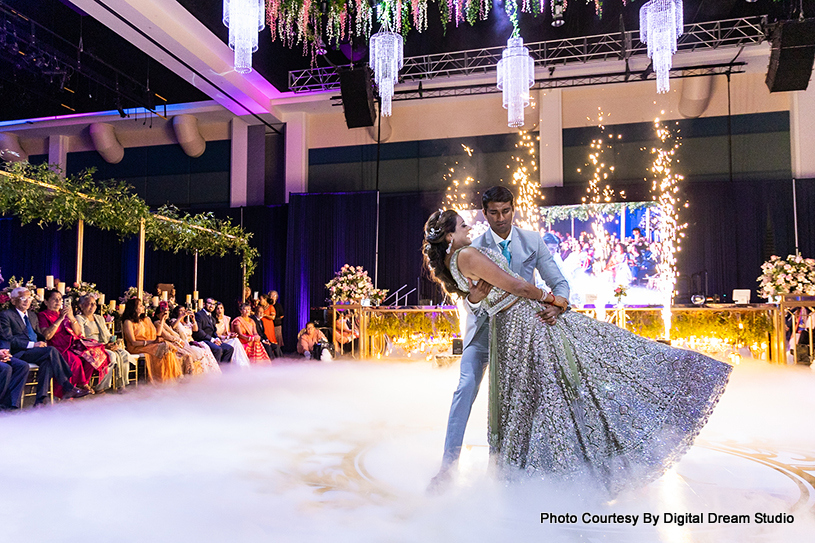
column 58, row 151
column 551, row 134
column 802, row 133
column 296, row 153
column 239, row 163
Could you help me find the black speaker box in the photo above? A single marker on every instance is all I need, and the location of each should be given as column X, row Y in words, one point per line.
column 793, row 50
column 357, row 97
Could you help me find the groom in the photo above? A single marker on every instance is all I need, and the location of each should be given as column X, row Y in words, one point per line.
column 525, row 252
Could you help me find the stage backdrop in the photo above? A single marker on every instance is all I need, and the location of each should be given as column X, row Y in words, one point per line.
column 325, row 231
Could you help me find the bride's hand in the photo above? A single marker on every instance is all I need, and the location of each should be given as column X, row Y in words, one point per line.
column 478, row 291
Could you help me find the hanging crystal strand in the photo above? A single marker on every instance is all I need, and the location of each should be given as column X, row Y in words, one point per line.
column 516, row 74
column 386, row 53
column 661, row 23
column 244, row 18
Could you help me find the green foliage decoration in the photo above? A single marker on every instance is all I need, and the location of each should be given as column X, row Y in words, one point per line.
column 39, row 193
column 584, row 212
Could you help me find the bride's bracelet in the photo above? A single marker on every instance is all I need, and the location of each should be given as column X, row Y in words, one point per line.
column 545, row 297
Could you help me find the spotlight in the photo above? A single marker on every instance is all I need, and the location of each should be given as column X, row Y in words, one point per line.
column 321, row 48
column 558, row 9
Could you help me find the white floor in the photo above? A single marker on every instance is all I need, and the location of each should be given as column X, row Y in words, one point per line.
column 344, row 451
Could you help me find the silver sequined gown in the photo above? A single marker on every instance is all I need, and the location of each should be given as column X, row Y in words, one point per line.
column 586, row 400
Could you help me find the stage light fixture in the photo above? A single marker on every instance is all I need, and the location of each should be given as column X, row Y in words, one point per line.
column 558, row 10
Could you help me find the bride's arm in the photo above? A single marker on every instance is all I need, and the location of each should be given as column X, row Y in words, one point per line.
column 477, row 266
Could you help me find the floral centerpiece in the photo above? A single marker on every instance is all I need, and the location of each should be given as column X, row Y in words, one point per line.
column 77, row 290
column 350, row 284
column 794, row 274
column 620, row 293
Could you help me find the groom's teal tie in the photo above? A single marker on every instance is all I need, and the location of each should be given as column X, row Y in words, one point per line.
column 505, row 250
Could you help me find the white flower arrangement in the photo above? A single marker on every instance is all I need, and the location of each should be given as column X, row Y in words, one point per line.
column 793, row 275
column 349, row 284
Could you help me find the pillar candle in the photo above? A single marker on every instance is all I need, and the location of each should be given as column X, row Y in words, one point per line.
column 189, row 299
column 164, row 295
column 49, row 281
column 61, row 287
column 121, row 309
column 195, row 295
column 112, row 306
column 256, row 295
column 200, row 304
column 40, row 293
column 101, row 300
column 155, row 301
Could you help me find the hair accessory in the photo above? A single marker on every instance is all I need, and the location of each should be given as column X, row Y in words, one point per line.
column 433, row 234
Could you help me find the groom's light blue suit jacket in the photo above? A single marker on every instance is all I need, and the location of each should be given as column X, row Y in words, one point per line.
column 528, row 254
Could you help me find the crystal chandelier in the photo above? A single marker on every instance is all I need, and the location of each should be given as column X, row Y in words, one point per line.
column 245, row 18
column 660, row 25
column 516, row 73
column 386, row 50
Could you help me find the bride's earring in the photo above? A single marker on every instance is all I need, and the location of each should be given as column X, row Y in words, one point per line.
column 450, row 247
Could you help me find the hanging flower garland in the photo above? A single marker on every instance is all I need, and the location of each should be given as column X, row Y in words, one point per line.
column 303, row 22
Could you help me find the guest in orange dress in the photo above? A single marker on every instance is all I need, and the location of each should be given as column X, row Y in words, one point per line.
column 244, row 326
column 269, row 315
column 141, row 336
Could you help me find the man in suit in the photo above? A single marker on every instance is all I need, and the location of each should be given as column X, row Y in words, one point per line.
column 20, row 333
column 206, row 333
column 13, row 373
column 525, row 252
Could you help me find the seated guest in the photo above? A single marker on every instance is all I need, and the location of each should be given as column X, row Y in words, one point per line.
column 225, row 334
column 13, row 374
column 94, row 327
column 272, row 349
column 244, row 326
column 343, row 333
column 20, row 333
column 142, row 337
column 308, row 338
column 206, row 333
column 183, row 324
column 61, row 330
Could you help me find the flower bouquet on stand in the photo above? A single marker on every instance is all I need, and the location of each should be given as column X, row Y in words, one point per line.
column 793, row 275
column 350, row 285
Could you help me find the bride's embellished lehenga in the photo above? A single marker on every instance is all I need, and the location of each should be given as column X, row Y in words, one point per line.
column 587, row 400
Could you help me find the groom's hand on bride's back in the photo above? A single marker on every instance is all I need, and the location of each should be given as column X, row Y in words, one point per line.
column 549, row 313
column 478, row 291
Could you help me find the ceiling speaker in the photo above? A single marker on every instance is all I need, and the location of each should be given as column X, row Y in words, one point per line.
column 793, row 50
column 357, row 97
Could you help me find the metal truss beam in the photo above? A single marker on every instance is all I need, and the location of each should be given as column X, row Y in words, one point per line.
column 618, row 46
column 563, row 82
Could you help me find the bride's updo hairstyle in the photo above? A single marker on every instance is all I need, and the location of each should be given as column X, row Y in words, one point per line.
column 435, row 246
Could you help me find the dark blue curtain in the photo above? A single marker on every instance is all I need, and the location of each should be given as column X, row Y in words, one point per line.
column 325, row 231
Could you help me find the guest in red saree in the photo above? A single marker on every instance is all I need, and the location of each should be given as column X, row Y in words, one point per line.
column 244, row 326
column 61, row 330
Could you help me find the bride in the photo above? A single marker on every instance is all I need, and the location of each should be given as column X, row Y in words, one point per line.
column 580, row 399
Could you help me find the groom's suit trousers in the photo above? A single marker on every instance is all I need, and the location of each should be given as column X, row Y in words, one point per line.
column 474, row 360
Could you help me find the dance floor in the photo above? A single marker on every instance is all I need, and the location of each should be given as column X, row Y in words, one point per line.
column 343, row 451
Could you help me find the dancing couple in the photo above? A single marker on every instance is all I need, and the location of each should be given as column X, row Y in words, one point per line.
column 571, row 398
